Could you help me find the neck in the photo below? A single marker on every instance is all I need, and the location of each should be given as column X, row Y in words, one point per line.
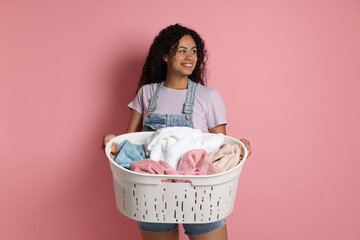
column 176, row 82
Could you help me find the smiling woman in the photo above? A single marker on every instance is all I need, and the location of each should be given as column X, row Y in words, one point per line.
column 172, row 93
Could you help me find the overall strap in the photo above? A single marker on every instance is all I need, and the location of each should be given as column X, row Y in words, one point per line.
column 190, row 97
column 153, row 100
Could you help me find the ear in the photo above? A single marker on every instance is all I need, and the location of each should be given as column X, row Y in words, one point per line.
column 165, row 58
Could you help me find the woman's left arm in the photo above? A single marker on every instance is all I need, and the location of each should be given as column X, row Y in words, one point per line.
column 222, row 129
column 218, row 129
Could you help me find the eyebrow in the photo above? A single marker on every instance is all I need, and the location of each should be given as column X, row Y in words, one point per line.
column 186, row 47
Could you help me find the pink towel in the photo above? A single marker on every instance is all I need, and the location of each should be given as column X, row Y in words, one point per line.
column 153, row 167
column 194, row 162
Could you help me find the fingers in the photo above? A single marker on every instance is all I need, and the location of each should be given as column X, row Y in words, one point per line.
column 106, row 139
column 114, row 148
column 247, row 145
column 241, row 151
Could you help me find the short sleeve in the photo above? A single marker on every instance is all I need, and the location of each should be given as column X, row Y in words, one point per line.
column 216, row 112
column 138, row 103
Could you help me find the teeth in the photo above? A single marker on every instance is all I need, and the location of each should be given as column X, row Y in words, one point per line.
column 187, row 65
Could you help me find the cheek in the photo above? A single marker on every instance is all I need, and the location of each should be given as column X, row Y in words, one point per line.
column 176, row 61
column 170, row 64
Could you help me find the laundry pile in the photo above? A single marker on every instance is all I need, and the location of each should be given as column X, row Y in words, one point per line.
column 179, row 151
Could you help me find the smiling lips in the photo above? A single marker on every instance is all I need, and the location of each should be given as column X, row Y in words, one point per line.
column 189, row 65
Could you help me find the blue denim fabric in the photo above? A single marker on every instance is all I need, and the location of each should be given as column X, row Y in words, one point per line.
column 193, row 229
column 155, row 121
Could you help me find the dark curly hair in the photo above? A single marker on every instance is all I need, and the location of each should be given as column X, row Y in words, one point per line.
column 155, row 68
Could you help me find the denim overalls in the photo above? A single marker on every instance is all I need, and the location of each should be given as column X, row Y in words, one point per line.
column 155, row 121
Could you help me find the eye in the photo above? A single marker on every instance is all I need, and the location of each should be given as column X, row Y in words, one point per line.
column 194, row 51
column 181, row 51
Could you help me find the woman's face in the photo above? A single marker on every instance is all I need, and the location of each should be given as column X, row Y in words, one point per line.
column 184, row 61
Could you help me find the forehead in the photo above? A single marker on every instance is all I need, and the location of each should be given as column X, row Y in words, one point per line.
column 187, row 41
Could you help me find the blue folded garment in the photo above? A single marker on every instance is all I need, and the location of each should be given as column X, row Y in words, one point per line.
column 129, row 153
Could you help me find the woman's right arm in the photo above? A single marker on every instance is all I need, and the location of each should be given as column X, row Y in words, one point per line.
column 135, row 122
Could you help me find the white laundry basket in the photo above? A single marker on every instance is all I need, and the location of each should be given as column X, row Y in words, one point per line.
column 144, row 197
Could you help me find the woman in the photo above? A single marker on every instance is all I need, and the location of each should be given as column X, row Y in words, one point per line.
column 172, row 93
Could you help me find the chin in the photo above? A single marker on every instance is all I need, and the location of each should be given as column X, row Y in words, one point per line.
column 188, row 73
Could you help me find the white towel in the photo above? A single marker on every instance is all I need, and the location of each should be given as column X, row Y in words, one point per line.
column 169, row 144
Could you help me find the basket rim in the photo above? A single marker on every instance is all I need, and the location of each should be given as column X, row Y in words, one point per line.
column 112, row 162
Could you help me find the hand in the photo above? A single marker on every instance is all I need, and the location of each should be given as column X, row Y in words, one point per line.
column 114, row 149
column 247, row 145
column 106, row 139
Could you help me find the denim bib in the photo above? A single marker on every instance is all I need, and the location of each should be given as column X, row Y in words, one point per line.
column 155, row 121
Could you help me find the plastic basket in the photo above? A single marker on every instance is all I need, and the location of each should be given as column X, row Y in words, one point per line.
column 144, row 197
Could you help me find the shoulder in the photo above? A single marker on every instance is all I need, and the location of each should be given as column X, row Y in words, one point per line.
column 206, row 92
column 148, row 89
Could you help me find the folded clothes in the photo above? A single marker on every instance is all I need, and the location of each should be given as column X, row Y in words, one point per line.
column 129, row 153
column 169, row 144
column 194, row 162
column 226, row 157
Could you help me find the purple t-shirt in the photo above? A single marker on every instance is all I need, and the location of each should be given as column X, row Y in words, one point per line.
column 208, row 112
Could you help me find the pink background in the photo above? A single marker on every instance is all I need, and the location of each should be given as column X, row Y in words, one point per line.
column 288, row 72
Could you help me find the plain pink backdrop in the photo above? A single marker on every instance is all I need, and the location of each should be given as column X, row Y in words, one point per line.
column 288, row 72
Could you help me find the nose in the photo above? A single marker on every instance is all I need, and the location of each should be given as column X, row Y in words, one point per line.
column 189, row 56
